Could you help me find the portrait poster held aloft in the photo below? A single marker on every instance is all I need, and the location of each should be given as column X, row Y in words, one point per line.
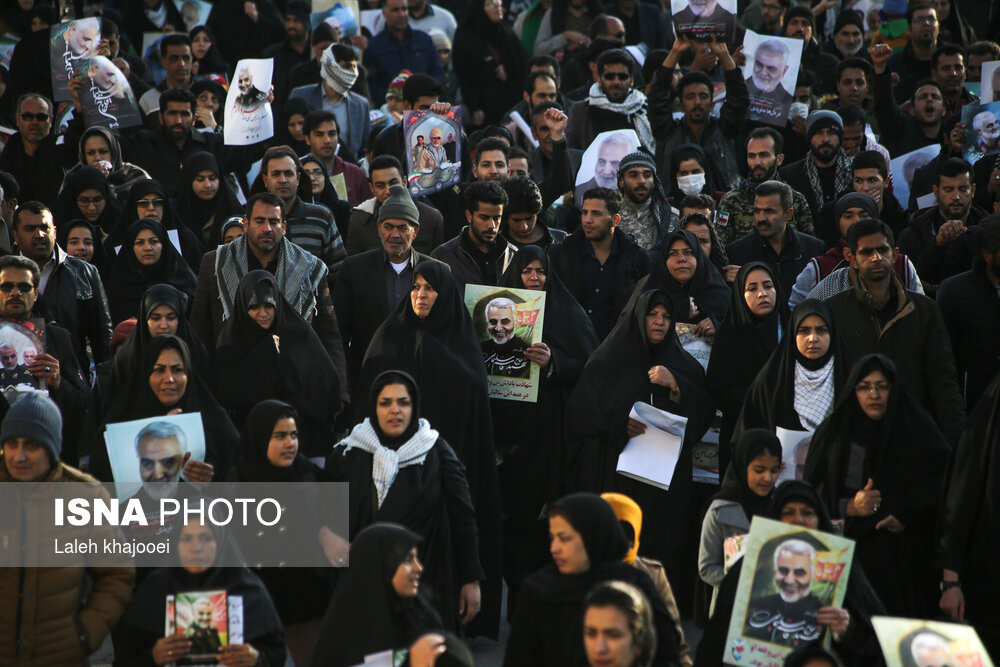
column 193, row 12
column 982, row 131
column 907, row 165
column 771, row 69
column 249, row 118
column 705, row 19
column 599, row 164
column 508, row 321
column 989, row 89
column 789, row 573
column 71, row 47
column 20, row 343
column 342, row 17
column 910, row 642
column 433, row 145
column 107, row 97
column 149, row 454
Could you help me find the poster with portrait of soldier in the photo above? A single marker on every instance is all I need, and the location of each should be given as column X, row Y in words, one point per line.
column 982, row 131
column 989, row 88
column 433, row 144
column 599, row 164
column 342, row 19
column 148, row 455
column 107, row 97
column 508, row 322
column 771, row 68
column 20, row 343
column 909, row 642
column 789, row 573
column 248, row 113
column 906, row 165
column 71, row 47
column 193, row 12
column 202, row 617
column 704, row 19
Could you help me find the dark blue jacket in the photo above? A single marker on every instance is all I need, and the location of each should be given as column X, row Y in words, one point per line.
column 386, row 56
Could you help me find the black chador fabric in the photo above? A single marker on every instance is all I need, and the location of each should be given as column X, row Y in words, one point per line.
column 366, row 614
column 969, row 521
column 859, row 646
column 905, row 455
column 442, row 354
column 129, row 279
column 253, row 465
column 430, row 498
column 770, row 399
column 66, row 208
column 742, row 346
column 136, row 400
column 191, row 248
column 547, row 623
column 529, row 436
column 128, row 359
column 617, row 376
column 100, row 258
column 706, row 288
column 250, row 365
column 204, row 218
column 734, row 487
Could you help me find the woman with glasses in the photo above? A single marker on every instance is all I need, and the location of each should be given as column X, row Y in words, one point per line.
column 324, row 193
column 148, row 200
column 87, row 194
column 878, row 462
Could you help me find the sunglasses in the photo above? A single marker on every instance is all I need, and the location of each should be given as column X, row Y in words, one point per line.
column 23, row 288
column 150, row 203
column 40, row 117
column 621, row 76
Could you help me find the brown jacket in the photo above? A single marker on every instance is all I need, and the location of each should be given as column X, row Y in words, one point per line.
column 659, row 576
column 44, row 618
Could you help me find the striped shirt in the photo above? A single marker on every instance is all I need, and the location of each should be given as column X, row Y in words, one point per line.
column 311, row 227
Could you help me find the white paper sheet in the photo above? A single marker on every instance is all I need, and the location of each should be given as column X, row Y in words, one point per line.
column 652, row 456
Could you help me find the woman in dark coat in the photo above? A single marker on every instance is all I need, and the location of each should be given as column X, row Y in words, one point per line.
column 879, row 461
column 283, row 360
column 430, row 336
column 204, row 199
column 588, row 548
column 529, row 436
column 744, row 343
column 138, row 638
column 400, row 470
column 796, row 502
column 92, row 185
column 161, row 210
column 324, row 193
column 209, row 60
column 82, row 240
column 369, row 613
column 489, row 61
column 134, row 271
column 99, row 144
column 641, row 360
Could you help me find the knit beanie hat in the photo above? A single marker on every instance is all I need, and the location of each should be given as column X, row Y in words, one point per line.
column 396, row 85
column 300, row 10
column 636, row 159
column 855, row 200
column 399, row 206
column 121, row 333
column 37, row 418
column 821, row 120
column 849, row 17
column 802, row 12
column 335, row 76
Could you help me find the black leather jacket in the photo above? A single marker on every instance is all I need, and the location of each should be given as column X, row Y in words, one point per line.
column 74, row 298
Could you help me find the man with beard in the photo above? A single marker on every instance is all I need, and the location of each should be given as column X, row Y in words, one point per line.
column 612, row 104
column 769, row 101
column 504, row 352
column 704, row 19
column 825, row 171
column 204, row 637
column 293, row 50
column 936, row 240
column 987, row 125
column 735, row 218
column 800, row 23
column 948, row 69
column 489, row 166
column 788, row 617
column 646, row 213
column 609, row 157
column 913, row 62
column 901, row 133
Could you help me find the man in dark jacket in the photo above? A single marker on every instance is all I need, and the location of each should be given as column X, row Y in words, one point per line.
column 774, row 242
column 371, row 285
column 31, row 154
column 970, row 305
column 643, row 21
column 399, row 47
column 825, row 171
column 599, row 266
column 521, row 216
column 71, row 289
column 800, row 23
column 879, row 315
column 901, row 133
column 293, row 50
column 553, row 163
column 619, row 105
column 479, row 255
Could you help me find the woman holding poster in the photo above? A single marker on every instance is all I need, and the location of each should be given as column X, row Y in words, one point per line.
column 879, row 460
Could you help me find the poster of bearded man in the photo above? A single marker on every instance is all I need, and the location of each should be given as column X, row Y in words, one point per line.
column 771, row 69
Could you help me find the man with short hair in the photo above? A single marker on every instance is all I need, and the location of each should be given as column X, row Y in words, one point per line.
column 522, row 224
column 869, row 175
column 609, row 155
column 309, row 226
column 398, row 47
column 987, row 127
column 338, row 72
column 11, row 372
column 905, row 133
column 800, row 23
column 489, row 166
column 519, row 163
column 736, row 218
column 614, row 105
column 178, row 63
column 301, row 277
column 975, row 55
column 293, row 50
column 503, row 353
column 768, row 97
column 540, row 86
column 371, row 284
column 774, row 242
column 880, row 315
column 826, row 171
column 31, row 155
column 71, row 289
column 321, row 129
column 553, row 164
column 600, row 267
column 478, row 254
column 385, row 171
column 913, row 62
column 646, row 215
column 772, row 16
column 854, row 85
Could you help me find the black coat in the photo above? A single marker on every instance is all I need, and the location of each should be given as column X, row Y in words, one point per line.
column 481, row 46
column 39, row 175
column 461, row 256
column 75, row 298
column 73, row 392
column 799, row 248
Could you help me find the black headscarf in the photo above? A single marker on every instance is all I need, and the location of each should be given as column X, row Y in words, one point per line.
column 293, row 105
column 706, row 287
column 387, row 378
column 86, row 178
column 194, row 211
column 213, row 62
column 559, row 9
column 254, row 466
column 249, row 367
column 191, row 248
column 770, row 399
column 99, row 258
column 129, row 279
column 688, row 152
column 210, row 85
column 366, row 614
column 754, row 443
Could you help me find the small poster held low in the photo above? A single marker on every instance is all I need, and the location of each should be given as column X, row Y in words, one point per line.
column 705, row 19
column 20, row 343
column 433, row 150
column 771, row 69
column 909, row 642
column 202, row 617
column 249, row 119
column 508, row 322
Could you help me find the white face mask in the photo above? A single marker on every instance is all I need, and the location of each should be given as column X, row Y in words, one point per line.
column 692, row 184
column 798, row 110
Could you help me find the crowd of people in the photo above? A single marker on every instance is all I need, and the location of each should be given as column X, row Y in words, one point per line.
column 747, row 277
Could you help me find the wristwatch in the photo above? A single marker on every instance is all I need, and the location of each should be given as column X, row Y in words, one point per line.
column 946, row 585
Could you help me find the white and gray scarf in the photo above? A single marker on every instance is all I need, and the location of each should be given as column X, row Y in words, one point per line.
column 387, row 462
column 814, row 394
column 634, row 106
column 335, row 76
